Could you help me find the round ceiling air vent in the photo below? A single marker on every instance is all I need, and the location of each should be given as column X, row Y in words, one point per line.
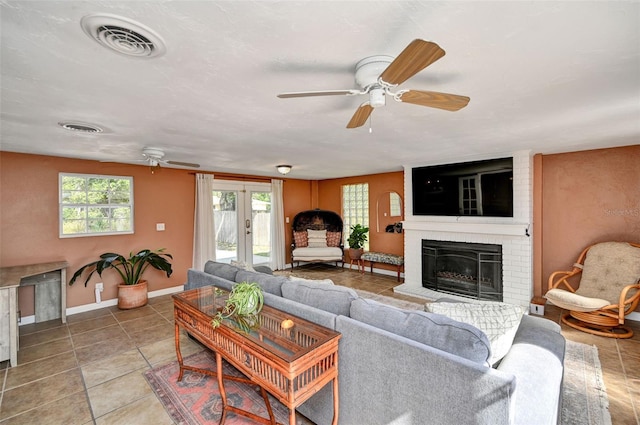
column 123, row 35
column 81, row 127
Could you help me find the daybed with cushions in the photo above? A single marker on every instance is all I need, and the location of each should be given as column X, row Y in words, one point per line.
column 317, row 237
column 413, row 367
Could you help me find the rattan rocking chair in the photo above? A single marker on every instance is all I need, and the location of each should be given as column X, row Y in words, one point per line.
column 608, row 290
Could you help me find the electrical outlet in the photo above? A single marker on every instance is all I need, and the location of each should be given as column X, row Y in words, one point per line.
column 100, row 286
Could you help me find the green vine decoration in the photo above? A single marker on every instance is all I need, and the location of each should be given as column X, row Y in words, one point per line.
column 243, row 305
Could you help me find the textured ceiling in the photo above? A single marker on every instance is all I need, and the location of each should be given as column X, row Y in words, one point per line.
column 542, row 76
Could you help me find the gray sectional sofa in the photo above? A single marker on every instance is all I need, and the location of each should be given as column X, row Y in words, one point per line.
column 399, row 367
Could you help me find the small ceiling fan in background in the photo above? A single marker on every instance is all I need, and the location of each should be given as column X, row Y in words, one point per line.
column 378, row 75
column 154, row 157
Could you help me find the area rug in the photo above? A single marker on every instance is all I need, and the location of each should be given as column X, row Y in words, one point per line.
column 196, row 400
column 584, row 396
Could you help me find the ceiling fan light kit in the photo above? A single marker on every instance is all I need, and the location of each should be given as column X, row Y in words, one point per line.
column 378, row 75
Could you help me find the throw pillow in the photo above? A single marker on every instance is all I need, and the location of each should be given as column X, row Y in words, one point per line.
column 499, row 321
column 317, row 238
column 317, row 243
column 317, row 234
column 242, row 265
column 301, row 239
column 334, row 238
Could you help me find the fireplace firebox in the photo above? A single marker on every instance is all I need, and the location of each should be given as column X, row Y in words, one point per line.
column 466, row 269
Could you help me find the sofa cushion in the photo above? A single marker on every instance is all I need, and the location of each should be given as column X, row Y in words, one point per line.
column 301, row 239
column 435, row 330
column 261, row 268
column 268, row 283
column 225, row 271
column 572, row 301
column 317, row 234
column 499, row 321
column 609, row 267
column 317, row 253
column 332, row 298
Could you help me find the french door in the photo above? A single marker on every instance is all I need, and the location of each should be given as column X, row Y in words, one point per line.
column 242, row 218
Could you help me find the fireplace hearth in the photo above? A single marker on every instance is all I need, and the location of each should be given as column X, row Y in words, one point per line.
column 470, row 270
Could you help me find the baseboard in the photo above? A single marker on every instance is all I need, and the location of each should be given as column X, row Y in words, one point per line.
column 635, row 316
column 27, row 320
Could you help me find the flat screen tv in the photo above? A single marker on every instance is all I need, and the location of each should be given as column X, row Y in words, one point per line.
column 478, row 188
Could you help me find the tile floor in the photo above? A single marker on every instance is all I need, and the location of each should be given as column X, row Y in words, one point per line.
column 89, row 371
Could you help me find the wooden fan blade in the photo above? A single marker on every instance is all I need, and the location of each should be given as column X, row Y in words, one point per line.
column 418, row 55
column 449, row 102
column 183, row 164
column 361, row 115
column 319, row 93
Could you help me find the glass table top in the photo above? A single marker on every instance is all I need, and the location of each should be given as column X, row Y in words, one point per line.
column 285, row 335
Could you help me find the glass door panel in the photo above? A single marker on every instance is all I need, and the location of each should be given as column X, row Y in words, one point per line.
column 242, row 219
column 260, row 243
column 225, row 218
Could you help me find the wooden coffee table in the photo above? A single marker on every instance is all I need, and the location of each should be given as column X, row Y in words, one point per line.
column 291, row 363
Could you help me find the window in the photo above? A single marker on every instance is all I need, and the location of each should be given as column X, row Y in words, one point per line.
column 395, row 205
column 93, row 205
column 355, row 207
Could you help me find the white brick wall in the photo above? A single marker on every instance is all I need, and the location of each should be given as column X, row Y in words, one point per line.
column 517, row 248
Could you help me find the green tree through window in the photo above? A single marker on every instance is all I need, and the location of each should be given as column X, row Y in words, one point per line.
column 95, row 205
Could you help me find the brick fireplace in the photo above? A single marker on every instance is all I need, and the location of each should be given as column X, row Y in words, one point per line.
column 512, row 234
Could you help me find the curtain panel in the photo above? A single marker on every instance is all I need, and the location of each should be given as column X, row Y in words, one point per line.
column 277, row 226
column 204, row 235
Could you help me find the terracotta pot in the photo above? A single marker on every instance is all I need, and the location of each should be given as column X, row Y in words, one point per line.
column 132, row 296
column 355, row 254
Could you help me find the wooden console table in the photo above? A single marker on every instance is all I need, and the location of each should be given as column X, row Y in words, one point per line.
column 291, row 363
column 50, row 300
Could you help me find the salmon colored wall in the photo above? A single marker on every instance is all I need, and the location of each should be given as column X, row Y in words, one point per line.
column 297, row 196
column 29, row 221
column 330, row 198
column 588, row 197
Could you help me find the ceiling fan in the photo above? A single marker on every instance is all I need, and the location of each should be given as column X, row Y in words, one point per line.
column 378, row 75
column 154, row 157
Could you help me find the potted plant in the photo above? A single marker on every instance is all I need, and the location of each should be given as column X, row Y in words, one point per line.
column 356, row 241
column 243, row 305
column 132, row 292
